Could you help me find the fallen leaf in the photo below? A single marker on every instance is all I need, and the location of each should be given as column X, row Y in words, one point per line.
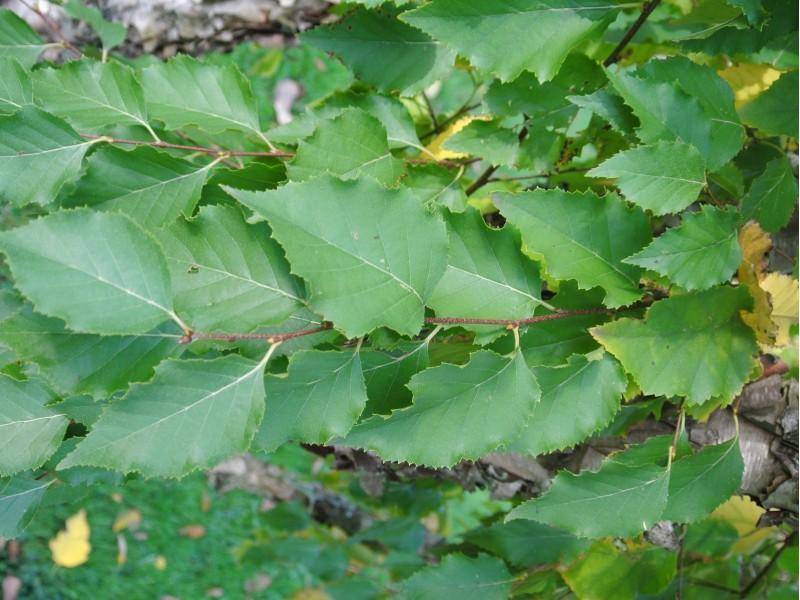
column 71, row 548
column 11, row 587
column 310, row 594
column 257, row 583
column 160, row 562
column 122, row 549
column 783, row 293
column 193, row 531
column 755, row 243
column 130, row 519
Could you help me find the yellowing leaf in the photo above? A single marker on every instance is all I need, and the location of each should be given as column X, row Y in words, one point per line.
column 71, row 548
column 130, row 519
column 743, row 514
column 748, row 81
column 755, row 243
column 783, row 293
column 435, row 151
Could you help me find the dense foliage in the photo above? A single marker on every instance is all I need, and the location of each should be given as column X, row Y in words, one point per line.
column 491, row 227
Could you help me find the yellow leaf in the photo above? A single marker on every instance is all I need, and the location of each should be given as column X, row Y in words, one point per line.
column 755, row 243
column 434, row 150
column 783, row 293
column 748, row 81
column 160, row 562
column 71, row 547
column 743, row 514
column 130, row 519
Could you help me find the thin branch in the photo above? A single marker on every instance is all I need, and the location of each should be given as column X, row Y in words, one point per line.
column 760, row 575
column 616, row 52
column 53, row 27
column 201, row 149
column 484, row 177
column 564, row 314
column 272, row 338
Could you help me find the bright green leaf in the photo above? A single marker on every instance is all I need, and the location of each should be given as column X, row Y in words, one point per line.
column 582, row 236
column 16, row 89
column 99, row 272
column 350, row 145
column 151, row 187
column 29, row 431
column 459, row 412
column 702, row 252
column 168, row 428
column 665, row 177
column 694, row 345
column 228, row 275
column 392, row 251
column 39, row 153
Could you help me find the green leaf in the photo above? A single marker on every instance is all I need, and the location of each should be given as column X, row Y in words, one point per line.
column 387, row 373
column 20, row 497
column 392, row 251
column 693, row 345
column 702, row 481
column 348, row 146
column 392, row 114
column 702, row 252
column 772, row 196
column 319, row 398
column 525, row 543
column 665, row 177
column 487, row 139
column 582, row 236
column 578, row 399
column 15, row 86
column 622, row 499
column 91, row 95
column 192, row 414
column 151, row 187
column 608, row 106
column 18, row 40
column 515, row 36
column 99, row 272
column 487, row 276
column 29, row 431
column 383, row 51
column 480, row 578
column 774, row 111
column 228, row 275
column 459, row 412
column 611, row 570
column 185, row 91
column 667, row 111
column 110, row 34
column 39, row 153
column 80, row 363
column 752, row 9
column 436, row 186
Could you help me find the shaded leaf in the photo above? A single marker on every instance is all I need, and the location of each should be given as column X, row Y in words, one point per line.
column 18, row 40
column 525, row 543
column 20, row 497
column 16, row 89
column 772, row 196
column 480, row 578
column 320, row 397
column 773, row 111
